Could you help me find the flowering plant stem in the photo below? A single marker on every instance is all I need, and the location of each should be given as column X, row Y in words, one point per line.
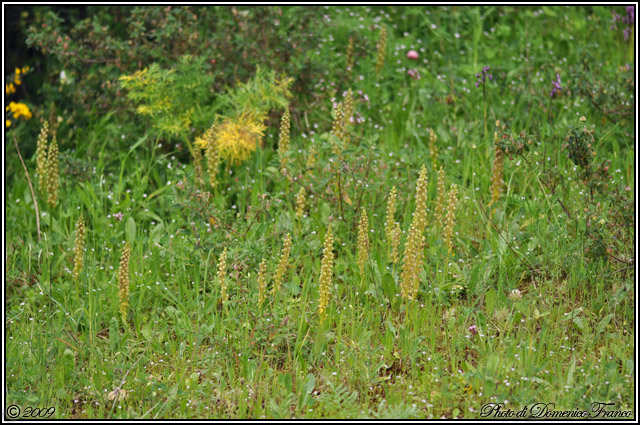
column 33, row 195
column 188, row 143
column 484, row 100
column 544, row 145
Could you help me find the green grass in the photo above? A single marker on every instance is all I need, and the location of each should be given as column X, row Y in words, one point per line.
column 568, row 340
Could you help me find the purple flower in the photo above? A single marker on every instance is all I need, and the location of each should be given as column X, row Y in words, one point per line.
column 627, row 20
column 413, row 73
column 481, row 79
column 473, row 329
column 556, row 85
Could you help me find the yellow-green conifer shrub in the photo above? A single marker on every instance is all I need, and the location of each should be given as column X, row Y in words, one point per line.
column 414, row 247
column 382, row 49
column 362, row 253
column 78, row 248
column 41, row 157
column 451, row 217
column 52, row 173
column 123, row 282
column 326, row 274
column 283, row 264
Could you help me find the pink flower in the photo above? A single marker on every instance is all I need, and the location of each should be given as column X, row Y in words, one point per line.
column 413, row 55
column 413, row 73
column 118, row 216
column 473, row 329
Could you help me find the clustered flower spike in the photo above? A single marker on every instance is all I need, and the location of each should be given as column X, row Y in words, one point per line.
column 283, row 264
column 395, row 243
column 326, row 274
column 414, row 247
column 222, row 276
column 210, row 144
column 349, row 54
column 338, row 129
column 285, row 130
column 389, row 224
column 41, row 157
column 382, row 48
column 433, row 148
column 482, row 78
column 301, row 202
column 556, row 85
column 349, row 108
column 123, row 281
column 78, row 248
column 362, row 253
column 52, row 173
column 440, row 202
column 311, row 159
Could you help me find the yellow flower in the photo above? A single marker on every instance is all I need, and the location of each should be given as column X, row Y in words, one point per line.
column 7, row 123
column 201, row 143
column 238, row 137
column 19, row 110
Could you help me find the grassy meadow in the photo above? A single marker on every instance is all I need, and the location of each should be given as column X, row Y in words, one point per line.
column 319, row 212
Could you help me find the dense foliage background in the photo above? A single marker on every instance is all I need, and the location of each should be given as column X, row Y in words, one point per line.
column 525, row 279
